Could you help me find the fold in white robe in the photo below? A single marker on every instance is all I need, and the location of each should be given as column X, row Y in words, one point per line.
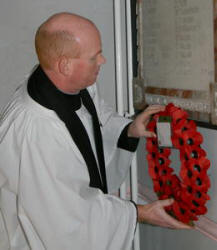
column 45, row 198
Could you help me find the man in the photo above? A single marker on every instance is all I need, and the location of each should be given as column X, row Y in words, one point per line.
column 57, row 137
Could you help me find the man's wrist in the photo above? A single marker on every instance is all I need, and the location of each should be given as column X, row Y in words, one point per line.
column 126, row 142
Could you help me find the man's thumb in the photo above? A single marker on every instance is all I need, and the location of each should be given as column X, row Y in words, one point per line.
column 167, row 202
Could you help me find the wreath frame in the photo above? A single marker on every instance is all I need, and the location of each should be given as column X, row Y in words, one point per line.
column 189, row 189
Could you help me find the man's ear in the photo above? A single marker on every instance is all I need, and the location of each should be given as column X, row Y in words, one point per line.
column 65, row 65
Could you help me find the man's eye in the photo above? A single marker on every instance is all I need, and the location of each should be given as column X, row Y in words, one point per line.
column 93, row 58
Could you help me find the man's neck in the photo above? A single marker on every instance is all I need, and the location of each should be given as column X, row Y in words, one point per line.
column 61, row 82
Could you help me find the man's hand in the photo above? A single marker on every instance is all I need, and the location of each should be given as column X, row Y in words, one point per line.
column 138, row 127
column 154, row 214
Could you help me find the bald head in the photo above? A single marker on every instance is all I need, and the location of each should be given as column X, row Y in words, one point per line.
column 59, row 36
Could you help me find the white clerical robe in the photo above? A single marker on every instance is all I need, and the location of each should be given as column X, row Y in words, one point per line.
column 45, row 198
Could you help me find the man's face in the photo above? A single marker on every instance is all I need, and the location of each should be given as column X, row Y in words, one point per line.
column 87, row 66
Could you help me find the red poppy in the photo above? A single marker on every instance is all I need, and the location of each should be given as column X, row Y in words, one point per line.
column 194, row 168
column 158, row 165
column 162, row 160
column 171, row 108
column 197, row 166
column 196, row 206
column 158, row 186
column 151, row 126
column 165, row 172
column 183, row 125
column 162, row 113
column 151, row 145
column 183, row 139
column 176, row 113
column 199, row 182
column 151, row 157
column 179, row 114
column 181, row 212
column 199, row 210
column 188, row 195
column 172, row 187
column 164, row 151
column 192, row 152
column 153, row 170
column 175, row 185
column 192, row 138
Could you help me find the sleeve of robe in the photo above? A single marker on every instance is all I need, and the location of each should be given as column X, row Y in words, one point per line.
column 57, row 208
column 118, row 160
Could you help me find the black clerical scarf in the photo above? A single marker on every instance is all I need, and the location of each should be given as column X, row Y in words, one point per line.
column 43, row 91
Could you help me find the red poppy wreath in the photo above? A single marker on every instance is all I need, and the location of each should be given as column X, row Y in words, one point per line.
column 189, row 189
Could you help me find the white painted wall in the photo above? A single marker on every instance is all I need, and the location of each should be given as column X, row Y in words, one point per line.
column 18, row 23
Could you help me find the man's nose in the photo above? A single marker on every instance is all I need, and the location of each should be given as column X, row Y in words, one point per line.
column 102, row 60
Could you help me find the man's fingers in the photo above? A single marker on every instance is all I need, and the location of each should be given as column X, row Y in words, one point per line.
column 149, row 134
column 173, row 223
column 155, row 214
column 166, row 202
column 152, row 110
column 138, row 127
column 155, row 106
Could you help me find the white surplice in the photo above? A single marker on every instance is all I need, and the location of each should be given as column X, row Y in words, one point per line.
column 45, row 199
